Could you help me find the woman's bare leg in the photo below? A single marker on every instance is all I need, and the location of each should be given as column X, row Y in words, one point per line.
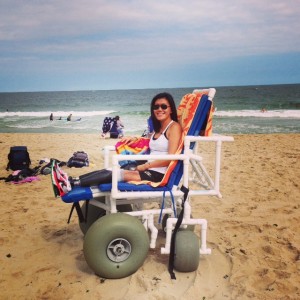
column 131, row 176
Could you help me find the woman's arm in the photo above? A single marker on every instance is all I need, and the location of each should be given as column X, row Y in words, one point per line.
column 174, row 135
column 129, row 140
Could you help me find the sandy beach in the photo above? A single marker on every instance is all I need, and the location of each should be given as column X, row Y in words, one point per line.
column 253, row 230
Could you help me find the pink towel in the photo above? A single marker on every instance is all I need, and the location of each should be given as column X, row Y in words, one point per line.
column 27, row 179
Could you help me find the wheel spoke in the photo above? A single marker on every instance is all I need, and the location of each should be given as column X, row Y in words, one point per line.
column 118, row 250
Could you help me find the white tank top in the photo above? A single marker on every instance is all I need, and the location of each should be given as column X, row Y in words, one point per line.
column 160, row 146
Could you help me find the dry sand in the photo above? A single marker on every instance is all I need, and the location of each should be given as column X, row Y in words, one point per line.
column 253, row 229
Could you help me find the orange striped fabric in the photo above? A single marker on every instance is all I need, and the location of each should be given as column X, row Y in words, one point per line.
column 208, row 128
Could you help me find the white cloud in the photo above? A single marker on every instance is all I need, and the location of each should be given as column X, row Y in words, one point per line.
column 120, row 35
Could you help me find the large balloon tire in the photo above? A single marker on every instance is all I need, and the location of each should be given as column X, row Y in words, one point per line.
column 116, row 246
column 187, row 253
column 95, row 213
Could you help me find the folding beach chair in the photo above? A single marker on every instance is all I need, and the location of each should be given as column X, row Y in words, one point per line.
column 149, row 128
column 116, row 244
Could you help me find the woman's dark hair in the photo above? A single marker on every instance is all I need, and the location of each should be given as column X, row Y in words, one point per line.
column 169, row 98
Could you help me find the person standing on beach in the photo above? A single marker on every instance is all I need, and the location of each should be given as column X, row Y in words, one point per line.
column 51, row 117
column 69, row 117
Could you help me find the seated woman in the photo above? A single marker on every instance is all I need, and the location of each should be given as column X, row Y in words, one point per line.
column 164, row 140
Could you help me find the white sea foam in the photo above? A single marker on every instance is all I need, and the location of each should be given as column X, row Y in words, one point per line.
column 56, row 114
column 231, row 113
column 259, row 114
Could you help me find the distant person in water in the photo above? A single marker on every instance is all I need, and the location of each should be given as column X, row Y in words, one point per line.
column 51, row 117
column 263, row 110
column 69, row 117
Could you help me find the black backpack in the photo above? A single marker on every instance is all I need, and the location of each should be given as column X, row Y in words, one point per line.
column 18, row 158
column 78, row 160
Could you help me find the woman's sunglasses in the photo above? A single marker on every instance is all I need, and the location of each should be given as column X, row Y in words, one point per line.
column 163, row 106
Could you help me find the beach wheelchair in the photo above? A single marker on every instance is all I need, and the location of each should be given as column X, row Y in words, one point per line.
column 119, row 220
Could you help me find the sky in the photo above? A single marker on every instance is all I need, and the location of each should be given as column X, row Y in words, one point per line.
column 64, row 45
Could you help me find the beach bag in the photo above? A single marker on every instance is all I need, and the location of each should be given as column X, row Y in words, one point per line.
column 18, row 158
column 78, row 160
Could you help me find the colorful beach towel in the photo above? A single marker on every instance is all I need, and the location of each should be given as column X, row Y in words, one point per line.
column 22, row 176
column 141, row 146
column 60, row 181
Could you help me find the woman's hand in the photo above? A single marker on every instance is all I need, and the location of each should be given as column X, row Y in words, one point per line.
column 143, row 167
column 140, row 168
column 129, row 140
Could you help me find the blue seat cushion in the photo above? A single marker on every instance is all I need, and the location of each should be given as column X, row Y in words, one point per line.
column 77, row 194
column 124, row 186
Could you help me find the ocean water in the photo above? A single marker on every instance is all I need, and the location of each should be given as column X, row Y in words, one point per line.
column 238, row 110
